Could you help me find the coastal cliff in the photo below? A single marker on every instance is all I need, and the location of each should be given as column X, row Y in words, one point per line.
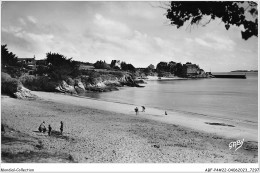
column 103, row 83
column 99, row 82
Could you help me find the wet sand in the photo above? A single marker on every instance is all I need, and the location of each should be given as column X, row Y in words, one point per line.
column 105, row 132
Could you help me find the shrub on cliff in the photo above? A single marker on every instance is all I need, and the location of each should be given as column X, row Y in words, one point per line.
column 70, row 81
column 101, row 65
column 9, row 85
column 28, row 81
column 92, row 77
column 118, row 74
column 40, row 83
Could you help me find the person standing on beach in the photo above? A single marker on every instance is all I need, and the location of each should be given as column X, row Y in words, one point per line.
column 61, row 127
column 143, row 109
column 49, row 130
column 165, row 113
column 136, row 110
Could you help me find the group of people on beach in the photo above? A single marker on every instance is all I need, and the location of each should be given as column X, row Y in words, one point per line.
column 143, row 110
column 43, row 129
column 136, row 110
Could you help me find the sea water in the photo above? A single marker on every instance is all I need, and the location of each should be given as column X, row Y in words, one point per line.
column 235, row 99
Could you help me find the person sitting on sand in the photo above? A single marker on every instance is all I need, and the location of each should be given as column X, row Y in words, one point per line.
column 42, row 127
column 136, row 110
column 61, row 127
column 49, row 130
column 143, row 109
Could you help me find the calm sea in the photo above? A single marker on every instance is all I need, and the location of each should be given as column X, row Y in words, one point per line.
column 218, row 97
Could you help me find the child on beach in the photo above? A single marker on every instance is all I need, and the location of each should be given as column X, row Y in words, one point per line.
column 61, row 127
column 136, row 110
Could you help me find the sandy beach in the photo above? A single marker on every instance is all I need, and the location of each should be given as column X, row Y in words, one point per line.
column 107, row 132
column 153, row 78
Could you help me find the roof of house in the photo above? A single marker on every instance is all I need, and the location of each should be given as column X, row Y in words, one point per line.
column 25, row 59
column 190, row 64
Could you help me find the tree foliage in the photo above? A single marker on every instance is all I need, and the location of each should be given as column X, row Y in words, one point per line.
column 179, row 71
column 7, row 58
column 9, row 85
column 59, row 67
column 230, row 12
column 10, row 63
column 41, row 70
column 127, row 67
column 101, row 65
column 162, row 66
column 172, row 67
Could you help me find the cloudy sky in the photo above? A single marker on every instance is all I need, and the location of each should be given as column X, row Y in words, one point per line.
column 135, row 32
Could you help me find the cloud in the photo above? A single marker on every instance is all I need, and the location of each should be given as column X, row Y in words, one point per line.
column 134, row 32
column 202, row 42
column 16, row 43
column 19, row 32
column 214, row 41
column 108, row 37
column 143, row 10
column 220, row 42
column 21, row 20
column 25, row 42
column 110, row 27
column 32, row 19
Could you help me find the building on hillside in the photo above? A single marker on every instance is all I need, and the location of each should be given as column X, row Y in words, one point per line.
column 30, row 62
column 41, row 62
column 201, row 72
column 191, row 69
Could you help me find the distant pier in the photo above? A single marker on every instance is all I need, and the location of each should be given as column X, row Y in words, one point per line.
column 238, row 76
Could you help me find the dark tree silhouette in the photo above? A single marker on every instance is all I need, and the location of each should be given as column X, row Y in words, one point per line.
column 59, row 67
column 230, row 12
column 179, row 70
column 101, row 65
column 172, row 66
column 9, row 63
column 127, row 67
column 113, row 63
column 7, row 58
column 162, row 67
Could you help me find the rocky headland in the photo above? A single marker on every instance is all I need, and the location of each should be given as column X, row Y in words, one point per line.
column 101, row 82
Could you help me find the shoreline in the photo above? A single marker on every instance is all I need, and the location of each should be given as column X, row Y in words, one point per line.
column 156, row 78
column 246, row 122
column 98, row 131
column 243, row 129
